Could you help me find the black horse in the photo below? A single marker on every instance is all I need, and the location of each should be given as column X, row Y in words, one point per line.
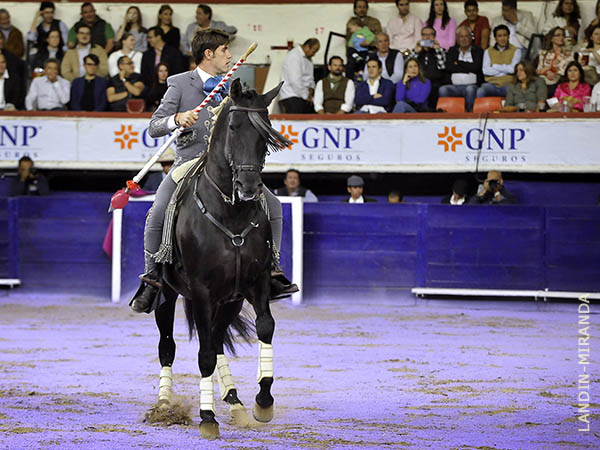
column 224, row 248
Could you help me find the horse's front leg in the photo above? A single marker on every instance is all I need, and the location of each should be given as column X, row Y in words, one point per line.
column 207, row 361
column 164, row 317
column 265, row 327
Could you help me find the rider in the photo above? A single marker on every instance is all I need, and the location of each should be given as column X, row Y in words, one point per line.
column 186, row 91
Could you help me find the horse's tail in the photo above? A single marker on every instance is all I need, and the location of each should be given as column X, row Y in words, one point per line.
column 240, row 324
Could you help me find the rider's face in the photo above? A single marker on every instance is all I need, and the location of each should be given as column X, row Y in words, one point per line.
column 220, row 59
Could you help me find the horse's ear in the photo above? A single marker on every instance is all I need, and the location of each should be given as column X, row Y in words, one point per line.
column 269, row 96
column 235, row 91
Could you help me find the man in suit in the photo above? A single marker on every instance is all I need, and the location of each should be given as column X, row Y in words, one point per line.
column 12, row 95
column 464, row 67
column 159, row 52
column 155, row 178
column 376, row 94
column 72, row 63
column 210, row 49
column 355, row 189
column 88, row 93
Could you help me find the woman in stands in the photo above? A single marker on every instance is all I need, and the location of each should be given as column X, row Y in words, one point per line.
column 127, row 44
column 529, row 90
column 553, row 59
column 587, row 34
column 132, row 23
column 589, row 57
column 53, row 49
column 414, row 89
column 567, row 16
column 444, row 25
column 165, row 21
column 574, row 89
column 159, row 87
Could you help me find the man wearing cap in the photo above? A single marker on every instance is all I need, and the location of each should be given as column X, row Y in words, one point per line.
column 459, row 194
column 355, row 189
column 155, row 178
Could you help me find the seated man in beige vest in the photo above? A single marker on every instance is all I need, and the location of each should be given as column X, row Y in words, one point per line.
column 334, row 94
column 499, row 63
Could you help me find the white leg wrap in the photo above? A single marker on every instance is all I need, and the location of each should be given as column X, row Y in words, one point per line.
column 207, row 394
column 265, row 361
column 165, row 385
column 224, row 376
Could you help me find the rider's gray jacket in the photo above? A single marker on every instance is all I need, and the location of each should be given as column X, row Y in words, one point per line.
column 184, row 92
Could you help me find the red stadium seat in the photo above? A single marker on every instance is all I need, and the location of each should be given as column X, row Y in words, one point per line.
column 136, row 105
column 451, row 104
column 485, row 104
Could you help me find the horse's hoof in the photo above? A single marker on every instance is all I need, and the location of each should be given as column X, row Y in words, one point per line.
column 239, row 416
column 164, row 403
column 209, row 430
column 263, row 414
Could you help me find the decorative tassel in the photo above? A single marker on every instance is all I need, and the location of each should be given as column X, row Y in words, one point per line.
column 164, row 255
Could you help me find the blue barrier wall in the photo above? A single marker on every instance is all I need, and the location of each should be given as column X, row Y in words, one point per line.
column 9, row 239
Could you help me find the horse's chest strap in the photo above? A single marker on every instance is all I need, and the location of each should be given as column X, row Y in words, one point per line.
column 237, row 240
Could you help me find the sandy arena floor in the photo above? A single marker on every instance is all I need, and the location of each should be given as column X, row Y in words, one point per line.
column 379, row 374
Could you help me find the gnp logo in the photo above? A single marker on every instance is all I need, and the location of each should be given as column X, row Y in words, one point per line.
column 322, row 138
column 494, row 139
column 12, row 136
column 126, row 137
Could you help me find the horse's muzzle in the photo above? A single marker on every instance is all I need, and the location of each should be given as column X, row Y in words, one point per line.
column 247, row 192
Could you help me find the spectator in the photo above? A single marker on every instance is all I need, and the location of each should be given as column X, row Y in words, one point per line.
column 124, row 86
column 203, row 22
column 355, row 189
column 587, row 33
column 529, row 93
column 12, row 35
column 166, row 161
column 52, row 49
column 520, row 23
column 444, row 25
column 566, row 16
column 432, row 59
column 574, row 89
column 334, row 94
column 171, row 34
column 28, row 181
column 292, row 187
column 459, row 194
column 499, row 64
column 376, row 94
column 40, row 29
column 296, row 95
column 553, row 59
column 595, row 100
column 358, row 46
column 88, row 93
column 72, row 63
column 361, row 7
column 11, row 89
column 395, row 197
column 132, row 24
column 15, row 65
column 492, row 191
column 413, row 91
column 159, row 51
column 479, row 25
column 50, row 92
column 589, row 57
column 464, row 66
column 392, row 60
column 102, row 33
column 127, row 44
column 159, row 87
column 404, row 28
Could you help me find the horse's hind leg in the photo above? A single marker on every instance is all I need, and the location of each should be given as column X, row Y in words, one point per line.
column 265, row 327
column 229, row 394
column 165, row 316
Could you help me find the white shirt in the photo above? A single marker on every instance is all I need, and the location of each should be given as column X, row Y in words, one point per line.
column 82, row 53
column 298, row 75
column 596, row 96
column 46, row 95
column 373, row 109
column 135, row 56
column 464, row 78
column 460, row 201
column 358, row 200
column 2, row 99
column 398, row 68
column 497, row 70
column 203, row 76
column 348, row 96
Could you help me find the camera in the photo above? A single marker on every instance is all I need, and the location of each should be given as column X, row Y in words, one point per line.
column 493, row 185
column 426, row 43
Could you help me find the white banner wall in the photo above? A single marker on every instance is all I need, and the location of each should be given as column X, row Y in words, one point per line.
column 438, row 145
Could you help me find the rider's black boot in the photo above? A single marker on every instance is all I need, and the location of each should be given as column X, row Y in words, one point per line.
column 144, row 297
column 281, row 287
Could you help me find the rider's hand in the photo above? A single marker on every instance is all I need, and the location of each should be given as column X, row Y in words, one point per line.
column 187, row 119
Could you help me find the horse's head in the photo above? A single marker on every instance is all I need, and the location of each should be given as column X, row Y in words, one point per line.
column 249, row 138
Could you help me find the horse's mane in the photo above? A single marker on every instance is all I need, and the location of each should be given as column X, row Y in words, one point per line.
column 216, row 112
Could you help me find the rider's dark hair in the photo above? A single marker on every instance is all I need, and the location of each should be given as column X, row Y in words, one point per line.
column 207, row 40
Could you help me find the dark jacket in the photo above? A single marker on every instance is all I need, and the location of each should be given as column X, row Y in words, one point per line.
column 16, row 70
column 169, row 55
column 13, row 91
column 42, row 55
column 38, row 185
column 489, row 199
column 386, row 89
column 365, row 199
column 77, row 88
column 453, row 65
